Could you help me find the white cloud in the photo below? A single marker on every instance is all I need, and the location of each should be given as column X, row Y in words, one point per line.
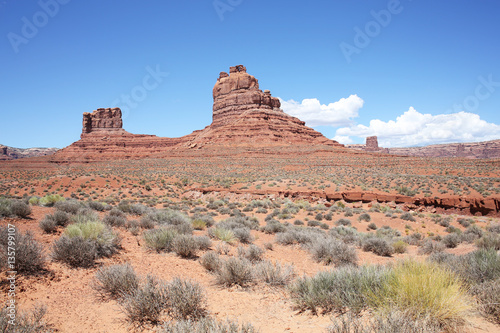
column 413, row 128
column 314, row 113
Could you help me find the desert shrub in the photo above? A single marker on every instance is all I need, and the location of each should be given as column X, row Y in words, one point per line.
column 160, row 239
column 451, row 229
column 475, row 231
column 85, row 215
column 252, row 253
column 74, row 251
column 29, row 254
column 273, row 227
column 332, row 251
column 243, row 235
column 338, row 290
column 169, row 216
column 407, row 217
column 106, row 241
column 185, row 246
column 388, row 232
column 425, row 290
column 211, row 261
column 476, row 267
column 413, row 239
column 465, row 222
column 147, row 223
column 137, row 209
column 344, row 222
column 48, row 224
column 20, row 209
column 34, row 200
column 429, row 246
column 372, row 226
column 400, row 246
column 313, row 223
column 186, row 299
column 96, row 205
column 225, row 235
column 445, row 222
column 61, row 218
column 235, row 271
column 298, row 222
column 348, row 212
column 206, row 325
column 204, row 242
column 348, row 235
column 68, row 206
column 274, row 274
column 488, row 296
column 50, row 200
column 451, row 240
column 364, row 217
column 146, row 304
column 494, row 228
column 115, row 220
column 394, row 322
column 31, row 321
column 489, row 241
column 115, row 281
column 5, row 210
column 379, row 246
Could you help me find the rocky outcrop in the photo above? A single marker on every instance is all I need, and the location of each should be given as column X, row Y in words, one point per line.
column 11, row 153
column 244, row 117
column 473, row 150
column 103, row 121
column 237, row 92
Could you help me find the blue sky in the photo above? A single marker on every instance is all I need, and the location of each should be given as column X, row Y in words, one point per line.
column 412, row 72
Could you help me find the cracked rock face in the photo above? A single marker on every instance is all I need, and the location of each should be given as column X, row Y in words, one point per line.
column 102, row 120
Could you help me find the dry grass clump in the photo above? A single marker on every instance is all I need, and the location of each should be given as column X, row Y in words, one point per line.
column 424, row 290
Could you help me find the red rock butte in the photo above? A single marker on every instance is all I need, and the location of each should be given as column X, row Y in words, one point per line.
column 245, row 119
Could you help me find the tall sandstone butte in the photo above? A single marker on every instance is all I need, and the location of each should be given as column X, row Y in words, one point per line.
column 244, row 117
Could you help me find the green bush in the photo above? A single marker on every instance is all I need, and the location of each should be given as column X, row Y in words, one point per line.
column 50, row 200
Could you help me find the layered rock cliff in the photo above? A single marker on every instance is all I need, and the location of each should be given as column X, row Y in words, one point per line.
column 243, row 116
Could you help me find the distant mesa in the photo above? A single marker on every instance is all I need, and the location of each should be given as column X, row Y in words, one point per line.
column 11, row 153
column 243, row 118
column 472, row 150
